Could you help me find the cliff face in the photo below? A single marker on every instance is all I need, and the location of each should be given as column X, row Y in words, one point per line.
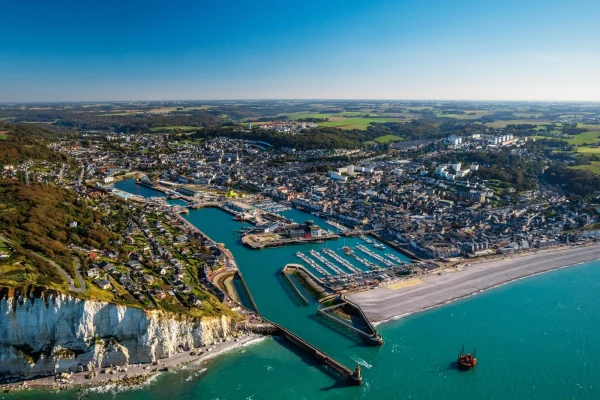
column 58, row 333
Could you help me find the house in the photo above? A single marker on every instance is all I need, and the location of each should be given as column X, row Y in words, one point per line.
column 106, row 266
column 134, row 264
column 103, row 284
column 181, row 238
column 93, row 272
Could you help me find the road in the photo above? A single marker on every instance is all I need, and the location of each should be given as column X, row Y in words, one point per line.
column 70, row 283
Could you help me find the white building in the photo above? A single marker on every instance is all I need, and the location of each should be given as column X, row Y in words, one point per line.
column 454, row 140
column 335, row 175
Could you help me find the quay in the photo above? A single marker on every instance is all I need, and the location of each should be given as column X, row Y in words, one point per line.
column 251, row 243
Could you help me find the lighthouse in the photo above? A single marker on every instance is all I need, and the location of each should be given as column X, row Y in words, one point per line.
column 356, row 377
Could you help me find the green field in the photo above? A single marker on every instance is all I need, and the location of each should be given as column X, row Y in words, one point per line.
column 118, row 114
column 527, row 115
column 593, row 167
column 332, row 117
column 3, row 135
column 592, row 136
column 355, row 123
column 162, row 110
column 588, row 151
column 343, row 120
column 388, row 139
column 469, row 114
column 174, row 128
column 504, row 124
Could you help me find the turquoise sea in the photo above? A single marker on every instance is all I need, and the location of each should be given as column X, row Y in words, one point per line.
column 537, row 338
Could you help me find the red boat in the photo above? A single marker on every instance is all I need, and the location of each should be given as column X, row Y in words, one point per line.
column 466, row 361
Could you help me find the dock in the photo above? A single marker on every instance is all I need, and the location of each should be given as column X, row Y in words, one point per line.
column 252, row 244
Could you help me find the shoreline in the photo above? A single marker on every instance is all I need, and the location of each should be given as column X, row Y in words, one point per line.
column 384, row 305
column 136, row 375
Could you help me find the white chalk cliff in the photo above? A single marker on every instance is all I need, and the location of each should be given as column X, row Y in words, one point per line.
column 59, row 333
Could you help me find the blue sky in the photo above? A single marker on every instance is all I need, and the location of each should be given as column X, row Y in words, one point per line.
column 327, row 49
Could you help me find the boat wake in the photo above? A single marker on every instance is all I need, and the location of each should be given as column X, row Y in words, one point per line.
column 189, row 378
column 361, row 362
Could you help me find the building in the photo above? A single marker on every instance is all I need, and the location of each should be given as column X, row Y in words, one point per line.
column 241, row 207
column 472, row 195
column 335, row 175
column 188, row 192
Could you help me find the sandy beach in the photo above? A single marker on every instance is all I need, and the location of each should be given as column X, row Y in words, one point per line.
column 394, row 301
column 136, row 374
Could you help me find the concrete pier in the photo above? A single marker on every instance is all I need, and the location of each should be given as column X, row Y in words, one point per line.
column 293, row 286
column 352, row 377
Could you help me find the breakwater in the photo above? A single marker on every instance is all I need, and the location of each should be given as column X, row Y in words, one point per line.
column 295, row 289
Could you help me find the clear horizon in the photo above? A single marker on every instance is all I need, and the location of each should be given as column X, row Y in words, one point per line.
column 336, row 50
column 300, row 100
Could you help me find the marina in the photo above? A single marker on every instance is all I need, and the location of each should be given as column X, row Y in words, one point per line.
column 375, row 256
column 394, row 258
column 271, row 206
column 341, row 260
column 328, row 263
column 312, row 263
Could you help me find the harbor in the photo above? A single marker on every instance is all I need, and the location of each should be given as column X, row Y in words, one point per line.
column 393, row 368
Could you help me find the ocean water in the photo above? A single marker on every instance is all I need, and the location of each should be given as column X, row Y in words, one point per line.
column 537, row 338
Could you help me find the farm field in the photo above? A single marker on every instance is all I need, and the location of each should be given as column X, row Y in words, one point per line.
column 469, row 114
column 388, row 139
column 504, row 124
column 588, row 151
column 331, row 116
column 343, row 120
column 527, row 115
column 355, row 123
column 119, row 114
column 163, row 110
column 593, row 167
